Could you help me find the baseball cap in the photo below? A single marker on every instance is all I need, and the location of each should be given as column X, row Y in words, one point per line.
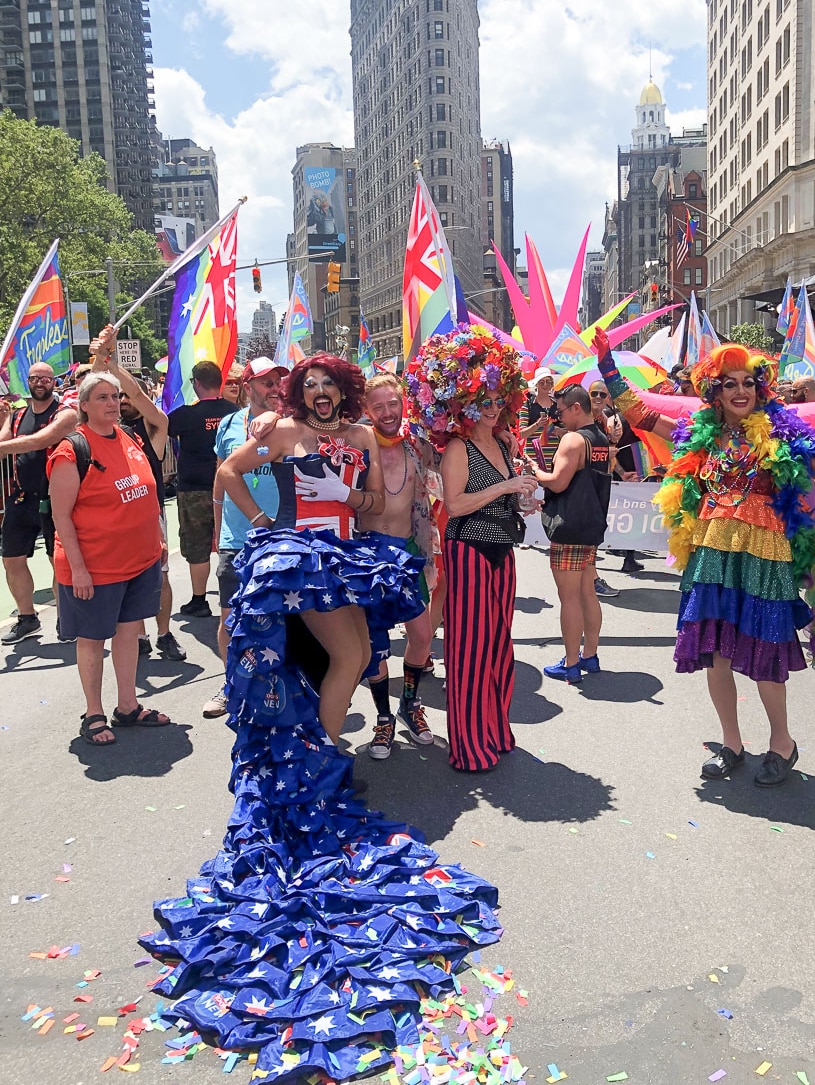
column 261, row 367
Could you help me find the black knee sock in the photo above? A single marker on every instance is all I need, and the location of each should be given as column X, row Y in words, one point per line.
column 410, row 688
column 379, row 688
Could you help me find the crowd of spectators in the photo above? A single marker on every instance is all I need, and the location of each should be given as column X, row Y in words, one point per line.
column 88, row 475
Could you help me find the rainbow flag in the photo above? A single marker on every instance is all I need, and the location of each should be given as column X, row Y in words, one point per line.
column 429, row 304
column 39, row 329
column 297, row 325
column 798, row 353
column 366, row 351
column 786, row 309
column 203, row 325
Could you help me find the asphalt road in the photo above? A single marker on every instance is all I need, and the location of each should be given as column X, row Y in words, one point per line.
column 626, row 882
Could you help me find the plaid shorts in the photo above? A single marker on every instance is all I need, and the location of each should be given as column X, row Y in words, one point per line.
column 571, row 558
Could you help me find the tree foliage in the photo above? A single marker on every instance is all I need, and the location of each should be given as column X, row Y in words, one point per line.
column 47, row 190
column 752, row 335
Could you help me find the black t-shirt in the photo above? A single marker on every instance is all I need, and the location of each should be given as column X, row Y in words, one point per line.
column 29, row 467
column 195, row 427
column 139, row 427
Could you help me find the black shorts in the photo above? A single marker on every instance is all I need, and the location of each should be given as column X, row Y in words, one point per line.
column 22, row 524
column 227, row 577
column 125, row 601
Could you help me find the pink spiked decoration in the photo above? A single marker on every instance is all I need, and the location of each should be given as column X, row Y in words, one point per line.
column 540, row 323
column 540, row 296
column 571, row 299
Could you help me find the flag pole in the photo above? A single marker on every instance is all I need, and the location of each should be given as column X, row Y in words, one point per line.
column 197, row 246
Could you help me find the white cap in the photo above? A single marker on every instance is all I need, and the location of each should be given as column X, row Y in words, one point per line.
column 259, row 367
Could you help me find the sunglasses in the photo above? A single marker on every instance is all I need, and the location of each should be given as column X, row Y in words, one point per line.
column 499, row 403
column 40, row 380
column 232, row 384
column 599, row 395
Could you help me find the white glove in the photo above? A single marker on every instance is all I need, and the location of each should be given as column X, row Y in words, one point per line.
column 328, row 488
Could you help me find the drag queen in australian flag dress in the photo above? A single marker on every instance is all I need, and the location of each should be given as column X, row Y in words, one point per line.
column 313, row 933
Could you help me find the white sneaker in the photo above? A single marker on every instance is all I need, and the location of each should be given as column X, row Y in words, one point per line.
column 216, row 706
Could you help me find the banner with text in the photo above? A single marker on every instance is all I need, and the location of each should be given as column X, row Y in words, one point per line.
column 633, row 521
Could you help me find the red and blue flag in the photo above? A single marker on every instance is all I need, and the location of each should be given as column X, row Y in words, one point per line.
column 39, row 329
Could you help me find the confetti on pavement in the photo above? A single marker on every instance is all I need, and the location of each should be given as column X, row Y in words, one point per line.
column 763, row 1068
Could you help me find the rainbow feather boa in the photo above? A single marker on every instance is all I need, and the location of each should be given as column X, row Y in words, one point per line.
column 785, row 447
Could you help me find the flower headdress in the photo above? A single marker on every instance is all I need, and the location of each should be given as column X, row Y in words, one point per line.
column 707, row 375
column 452, row 373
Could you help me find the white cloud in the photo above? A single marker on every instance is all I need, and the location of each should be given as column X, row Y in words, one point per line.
column 559, row 84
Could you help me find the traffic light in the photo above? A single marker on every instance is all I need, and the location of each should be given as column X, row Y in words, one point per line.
column 256, row 283
column 332, row 283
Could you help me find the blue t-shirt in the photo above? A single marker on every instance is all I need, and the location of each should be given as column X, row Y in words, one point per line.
column 232, row 433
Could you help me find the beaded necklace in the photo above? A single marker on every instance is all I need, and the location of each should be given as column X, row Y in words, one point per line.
column 730, row 468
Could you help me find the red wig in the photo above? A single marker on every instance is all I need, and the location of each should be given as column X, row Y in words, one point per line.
column 346, row 376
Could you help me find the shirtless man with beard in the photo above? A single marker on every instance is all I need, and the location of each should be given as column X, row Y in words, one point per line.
column 406, row 516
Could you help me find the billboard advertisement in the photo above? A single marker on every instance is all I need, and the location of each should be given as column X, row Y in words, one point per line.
column 325, row 217
column 173, row 236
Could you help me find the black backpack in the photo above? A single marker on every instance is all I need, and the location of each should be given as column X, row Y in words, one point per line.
column 82, row 451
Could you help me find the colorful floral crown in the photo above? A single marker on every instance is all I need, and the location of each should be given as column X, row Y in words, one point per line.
column 450, row 376
column 707, row 375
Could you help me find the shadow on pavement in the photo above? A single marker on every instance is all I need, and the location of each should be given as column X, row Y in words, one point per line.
column 623, row 687
column 34, row 654
column 793, row 803
column 648, row 600
column 433, row 797
column 531, row 605
column 157, row 676
column 204, row 630
column 139, row 751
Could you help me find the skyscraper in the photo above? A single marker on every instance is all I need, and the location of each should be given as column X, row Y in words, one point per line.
column 497, row 229
column 83, row 66
column 761, row 153
column 416, row 101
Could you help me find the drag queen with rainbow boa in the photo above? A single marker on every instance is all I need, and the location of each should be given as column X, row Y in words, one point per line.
column 735, row 501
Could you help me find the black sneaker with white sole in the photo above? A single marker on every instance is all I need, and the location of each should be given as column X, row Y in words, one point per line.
column 27, row 625
column 169, row 648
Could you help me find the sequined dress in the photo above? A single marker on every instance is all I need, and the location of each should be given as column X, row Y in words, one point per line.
column 739, row 596
column 308, row 936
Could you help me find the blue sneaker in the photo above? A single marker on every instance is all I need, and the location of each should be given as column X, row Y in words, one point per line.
column 564, row 673
column 590, row 664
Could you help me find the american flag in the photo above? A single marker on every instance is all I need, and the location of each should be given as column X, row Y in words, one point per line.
column 684, row 239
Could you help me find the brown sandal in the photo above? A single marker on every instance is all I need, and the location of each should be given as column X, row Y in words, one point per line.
column 92, row 734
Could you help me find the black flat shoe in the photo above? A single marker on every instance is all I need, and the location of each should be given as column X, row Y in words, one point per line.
column 775, row 768
column 722, row 763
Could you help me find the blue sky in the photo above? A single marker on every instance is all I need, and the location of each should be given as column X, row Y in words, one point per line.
column 240, row 76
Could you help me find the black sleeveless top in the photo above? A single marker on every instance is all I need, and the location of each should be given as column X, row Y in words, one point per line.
column 600, row 457
column 483, row 528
